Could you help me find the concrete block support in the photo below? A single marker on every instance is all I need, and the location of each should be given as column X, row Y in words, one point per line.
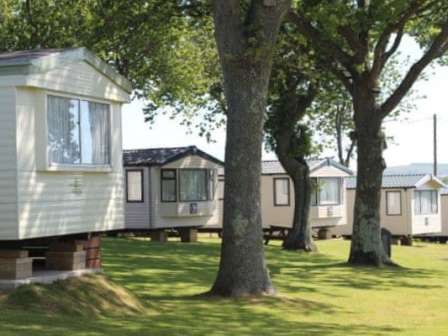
column 20, row 268
column 66, row 261
column 15, row 264
column 324, row 234
column 160, row 236
column 188, row 235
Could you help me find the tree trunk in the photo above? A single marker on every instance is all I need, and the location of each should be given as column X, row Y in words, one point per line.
column 366, row 246
column 242, row 268
column 245, row 47
column 300, row 236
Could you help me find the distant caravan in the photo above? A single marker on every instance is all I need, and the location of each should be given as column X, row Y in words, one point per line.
column 171, row 190
column 411, row 205
column 328, row 200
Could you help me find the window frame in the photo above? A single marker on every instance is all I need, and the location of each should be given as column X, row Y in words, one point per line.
column 387, row 202
column 207, row 186
column 420, row 213
column 276, row 204
column 54, row 166
column 142, row 185
column 211, row 184
column 223, row 184
column 175, row 179
column 316, row 191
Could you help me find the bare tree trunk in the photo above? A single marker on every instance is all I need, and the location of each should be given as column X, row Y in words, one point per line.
column 366, row 246
column 242, row 269
column 300, row 236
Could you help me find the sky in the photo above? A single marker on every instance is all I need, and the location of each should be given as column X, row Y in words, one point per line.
column 412, row 137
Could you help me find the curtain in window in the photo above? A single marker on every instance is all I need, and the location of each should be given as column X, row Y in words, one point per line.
column 169, row 190
column 281, row 191
column 63, row 130
column 434, row 202
column 211, row 185
column 134, row 186
column 426, row 202
column 329, row 191
column 393, row 202
column 99, row 133
column 193, row 185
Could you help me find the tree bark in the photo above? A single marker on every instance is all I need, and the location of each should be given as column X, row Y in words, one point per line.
column 300, row 236
column 242, row 269
column 366, row 245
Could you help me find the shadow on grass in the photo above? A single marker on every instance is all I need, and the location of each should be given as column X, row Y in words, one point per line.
column 185, row 321
column 167, row 278
column 142, row 264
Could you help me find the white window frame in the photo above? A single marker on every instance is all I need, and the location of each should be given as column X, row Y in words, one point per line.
column 316, row 192
column 43, row 159
column 417, row 207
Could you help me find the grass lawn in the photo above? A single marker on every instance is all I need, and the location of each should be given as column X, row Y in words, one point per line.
column 318, row 295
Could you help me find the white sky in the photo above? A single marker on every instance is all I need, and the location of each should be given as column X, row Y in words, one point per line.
column 412, row 138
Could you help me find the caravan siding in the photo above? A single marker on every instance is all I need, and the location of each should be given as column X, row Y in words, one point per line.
column 159, row 209
column 8, row 164
column 63, row 202
column 138, row 213
column 79, row 79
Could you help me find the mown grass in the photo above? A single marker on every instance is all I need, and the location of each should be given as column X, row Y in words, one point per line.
column 318, row 295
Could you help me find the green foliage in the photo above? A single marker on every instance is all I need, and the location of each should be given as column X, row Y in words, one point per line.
column 165, row 48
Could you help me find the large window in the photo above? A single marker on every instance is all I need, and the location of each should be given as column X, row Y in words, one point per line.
column 426, row 202
column 78, row 132
column 193, row 185
column 188, row 185
column 281, row 192
column 326, row 191
column 393, row 203
column 134, row 186
column 169, row 185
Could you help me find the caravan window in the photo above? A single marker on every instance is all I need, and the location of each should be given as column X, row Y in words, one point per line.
column 193, row 185
column 169, row 185
column 134, row 186
column 327, row 191
column 393, row 203
column 281, row 192
column 78, row 132
column 426, row 202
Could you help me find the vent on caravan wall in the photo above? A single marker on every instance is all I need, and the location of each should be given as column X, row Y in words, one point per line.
column 193, row 208
column 330, row 211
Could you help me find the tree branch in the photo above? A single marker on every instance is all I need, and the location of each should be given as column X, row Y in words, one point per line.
column 437, row 49
column 350, row 152
column 361, row 49
column 380, row 56
column 307, row 29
